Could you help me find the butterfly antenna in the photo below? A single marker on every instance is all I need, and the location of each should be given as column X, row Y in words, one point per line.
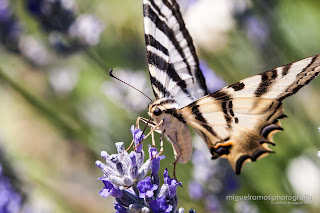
column 111, row 75
column 146, row 125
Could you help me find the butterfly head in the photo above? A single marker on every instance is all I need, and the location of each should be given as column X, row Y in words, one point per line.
column 161, row 108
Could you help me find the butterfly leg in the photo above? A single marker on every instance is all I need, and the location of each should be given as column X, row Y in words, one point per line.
column 161, row 145
column 137, row 127
column 153, row 127
column 174, row 167
column 146, row 121
column 153, row 140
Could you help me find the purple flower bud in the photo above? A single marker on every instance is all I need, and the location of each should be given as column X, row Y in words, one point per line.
column 106, row 170
column 155, row 164
column 110, row 189
column 143, row 171
column 138, row 208
column 146, row 188
column 100, row 164
column 133, row 158
column 140, row 158
column 173, row 183
column 137, row 137
column 104, row 154
column 164, row 190
column 119, row 208
column 128, row 198
column 125, row 181
column 120, row 147
column 160, row 205
column 133, row 169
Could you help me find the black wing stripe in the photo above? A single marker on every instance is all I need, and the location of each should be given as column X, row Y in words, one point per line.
column 176, row 13
column 286, row 69
column 162, row 26
column 151, row 41
column 166, row 101
column 303, row 78
column 160, row 63
column 275, row 110
column 267, row 79
column 155, row 83
column 237, row 86
column 221, row 95
column 167, row 38
column 198, row 116
column 160, row 14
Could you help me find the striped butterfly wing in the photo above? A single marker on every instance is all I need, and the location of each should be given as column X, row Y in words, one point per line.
column 172, row 60
column 239, row 121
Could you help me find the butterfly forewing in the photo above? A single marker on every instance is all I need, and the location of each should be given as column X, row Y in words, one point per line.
column 173, row 63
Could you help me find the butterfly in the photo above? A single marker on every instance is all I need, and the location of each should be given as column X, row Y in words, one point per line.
column 237, row 122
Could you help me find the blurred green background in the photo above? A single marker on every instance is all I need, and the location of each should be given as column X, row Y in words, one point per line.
column 59, row 108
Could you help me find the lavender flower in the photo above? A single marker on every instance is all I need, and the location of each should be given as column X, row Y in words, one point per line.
column 86, row 29
column 160, row 205
column 54, row 15
column 146, row 188
column 10, row 199
column 125, row 178
column 123, row 170
column 67, row 32
column 10, row 29
column 34, row 50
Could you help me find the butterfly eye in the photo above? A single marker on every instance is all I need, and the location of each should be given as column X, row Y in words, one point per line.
column 157, row 112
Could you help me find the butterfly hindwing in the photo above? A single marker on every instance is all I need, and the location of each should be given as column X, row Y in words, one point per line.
column 173, row 63
column 239, row 121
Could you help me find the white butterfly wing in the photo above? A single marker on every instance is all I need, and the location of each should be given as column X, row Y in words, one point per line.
column 239, row 121
column 173, row 63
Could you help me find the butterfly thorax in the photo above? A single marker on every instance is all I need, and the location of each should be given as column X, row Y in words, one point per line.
column 173, row 127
